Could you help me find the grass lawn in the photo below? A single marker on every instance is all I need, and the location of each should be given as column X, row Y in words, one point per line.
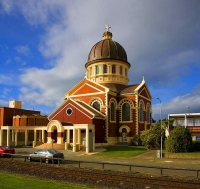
column 11, row 181
column 185, row 155
column 122, row 151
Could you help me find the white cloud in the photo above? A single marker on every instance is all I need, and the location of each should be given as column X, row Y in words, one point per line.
column 161, row 39
column 6, row 78
column 19, row 61
column 3, row 103
column 5, row 92
column 179, row 104
column 22, row 49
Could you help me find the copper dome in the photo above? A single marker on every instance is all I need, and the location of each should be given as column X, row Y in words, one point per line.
column 107, row 49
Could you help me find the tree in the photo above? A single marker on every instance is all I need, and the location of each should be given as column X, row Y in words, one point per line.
column 179, row 140
column 152, row 137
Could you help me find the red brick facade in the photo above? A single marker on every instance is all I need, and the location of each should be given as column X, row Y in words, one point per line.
column 85, row 91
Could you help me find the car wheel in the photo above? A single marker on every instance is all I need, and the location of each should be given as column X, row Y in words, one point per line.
column 46, row 160
column 29, row 159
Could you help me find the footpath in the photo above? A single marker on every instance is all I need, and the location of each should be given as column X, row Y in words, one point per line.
column 147, row 159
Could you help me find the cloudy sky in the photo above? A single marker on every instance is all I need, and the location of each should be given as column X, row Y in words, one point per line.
column 44, row 46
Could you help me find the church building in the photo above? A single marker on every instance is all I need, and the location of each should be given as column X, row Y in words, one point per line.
column 113, row 109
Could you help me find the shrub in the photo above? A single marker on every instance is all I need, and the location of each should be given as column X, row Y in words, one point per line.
column 179, row 140
column 152, row 137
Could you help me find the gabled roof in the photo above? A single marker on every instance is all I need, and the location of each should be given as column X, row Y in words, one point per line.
column 85, row 83
column 79, row 105
column 114, row 87
column 91, row 109
column 129, row 89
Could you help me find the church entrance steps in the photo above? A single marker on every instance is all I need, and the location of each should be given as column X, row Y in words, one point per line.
column 49, row 146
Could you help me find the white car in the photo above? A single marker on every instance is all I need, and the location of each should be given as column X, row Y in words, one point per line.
column 46, row 155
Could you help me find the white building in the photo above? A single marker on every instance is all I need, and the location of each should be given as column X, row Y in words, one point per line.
column 188, row 120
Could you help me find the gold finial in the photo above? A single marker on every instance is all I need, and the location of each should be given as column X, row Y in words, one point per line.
column 107, row 34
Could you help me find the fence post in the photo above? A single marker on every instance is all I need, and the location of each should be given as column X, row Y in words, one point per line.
column 102, row 165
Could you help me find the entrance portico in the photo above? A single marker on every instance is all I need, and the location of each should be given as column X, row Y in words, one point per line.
column 57, row 132
column 81, row 135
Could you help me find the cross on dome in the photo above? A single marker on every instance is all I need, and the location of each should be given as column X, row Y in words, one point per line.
column 107, row 27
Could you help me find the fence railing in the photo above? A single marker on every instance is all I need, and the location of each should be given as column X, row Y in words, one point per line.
column 104, row 165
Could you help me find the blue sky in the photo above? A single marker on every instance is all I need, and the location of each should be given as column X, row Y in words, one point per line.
column 44, row 46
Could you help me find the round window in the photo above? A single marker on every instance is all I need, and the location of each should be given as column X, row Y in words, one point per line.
column 69, row 111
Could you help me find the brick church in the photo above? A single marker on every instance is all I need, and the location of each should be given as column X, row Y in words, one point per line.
column 104, row 99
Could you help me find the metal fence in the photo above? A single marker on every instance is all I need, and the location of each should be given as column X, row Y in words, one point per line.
column 163, row 171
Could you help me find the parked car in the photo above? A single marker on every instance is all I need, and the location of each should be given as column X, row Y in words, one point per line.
column 6, row 151
column 46, row 155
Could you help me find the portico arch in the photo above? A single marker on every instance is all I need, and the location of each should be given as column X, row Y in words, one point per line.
column 55, row 132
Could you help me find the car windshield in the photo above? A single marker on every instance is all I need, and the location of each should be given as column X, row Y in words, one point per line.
column 52, row 151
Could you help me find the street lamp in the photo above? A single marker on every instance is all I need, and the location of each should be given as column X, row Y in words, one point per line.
column 160, row 126
column 188, row 109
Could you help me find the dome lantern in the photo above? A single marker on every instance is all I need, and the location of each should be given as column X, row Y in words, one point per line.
column 107, row 61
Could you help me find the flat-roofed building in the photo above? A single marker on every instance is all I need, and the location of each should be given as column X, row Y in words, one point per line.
column 190, row 121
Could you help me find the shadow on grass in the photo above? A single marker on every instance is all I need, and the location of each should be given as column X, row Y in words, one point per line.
column 125, row 148
column 122, row 151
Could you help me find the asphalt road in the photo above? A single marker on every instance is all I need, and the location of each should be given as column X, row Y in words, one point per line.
column 148, row 159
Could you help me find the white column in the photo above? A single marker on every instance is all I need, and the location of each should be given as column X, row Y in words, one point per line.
column 87, row 140
column 42, row 136
column 74, row 140
column 79, row 139
column 185, row 121
column 16, row 134
column 35, row 137
column 8, row 137
column 68, row 136
column 1, row 137
column 13, row 135
column 26, row 137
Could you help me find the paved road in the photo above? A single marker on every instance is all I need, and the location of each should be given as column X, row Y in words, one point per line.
column 147, row 159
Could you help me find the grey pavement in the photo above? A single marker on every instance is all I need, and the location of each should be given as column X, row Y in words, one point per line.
column 147, row 159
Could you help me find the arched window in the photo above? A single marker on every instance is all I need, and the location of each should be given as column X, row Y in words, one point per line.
column 120, row 70
column 112, row 111
column 148, row 114
column 113, row 69
column 105, row 68
column 97, row 69
column 125, row 70
column 96, row 105
column 126, row 112
column 141, row 112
